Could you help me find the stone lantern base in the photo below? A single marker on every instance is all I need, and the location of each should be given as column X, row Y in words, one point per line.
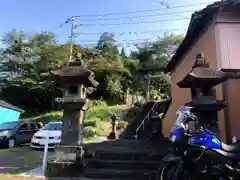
column 65, row 169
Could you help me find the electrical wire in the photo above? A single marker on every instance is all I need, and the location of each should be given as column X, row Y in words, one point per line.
column 129, row 43
column 133, row 32
column 133, row 17
column 165, row 4
column 129, row 23
column 139, row 11
column 58, row 26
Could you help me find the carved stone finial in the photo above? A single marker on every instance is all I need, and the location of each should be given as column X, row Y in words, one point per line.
column 199, row 55
column 200, row 61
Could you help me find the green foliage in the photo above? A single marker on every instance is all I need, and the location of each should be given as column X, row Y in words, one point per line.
column 99, row 104
column 90, row 122
column 27, row 60
column 47, row 117
column 89, row 131
column 122, row 124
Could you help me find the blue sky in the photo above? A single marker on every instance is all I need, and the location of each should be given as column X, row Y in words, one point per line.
column 34, row 16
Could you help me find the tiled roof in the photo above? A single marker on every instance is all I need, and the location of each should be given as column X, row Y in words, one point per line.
column 200, row 21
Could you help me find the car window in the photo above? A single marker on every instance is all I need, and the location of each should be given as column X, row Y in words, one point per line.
column 32, row 126
column 23, row 127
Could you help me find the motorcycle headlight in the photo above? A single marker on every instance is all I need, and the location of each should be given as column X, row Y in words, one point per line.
column 173, row 138
column 3, row 133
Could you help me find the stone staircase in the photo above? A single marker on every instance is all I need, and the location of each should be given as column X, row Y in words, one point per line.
column 149, row 109
column 124, row 159
column 128, row 158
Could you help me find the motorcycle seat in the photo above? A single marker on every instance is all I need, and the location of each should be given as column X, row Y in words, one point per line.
column 233, row 148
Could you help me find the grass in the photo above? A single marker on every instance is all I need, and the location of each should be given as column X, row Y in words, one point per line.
column 4, row 151
column 99, row 115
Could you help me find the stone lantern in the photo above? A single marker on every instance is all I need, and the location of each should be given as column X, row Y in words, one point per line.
column 113, row 133
column 69, row 153
column 202, row 81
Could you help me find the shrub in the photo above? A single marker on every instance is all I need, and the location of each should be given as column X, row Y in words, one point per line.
column 103, row 128
column 99, row 103
column 91, row 122
column 122, row 124
column 89, row 131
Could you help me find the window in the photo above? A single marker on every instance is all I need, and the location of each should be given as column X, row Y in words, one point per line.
column 53, row 127
column 32, row 126
column 23, row 127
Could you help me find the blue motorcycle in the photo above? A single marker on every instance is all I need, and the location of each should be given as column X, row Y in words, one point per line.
column 199, row 154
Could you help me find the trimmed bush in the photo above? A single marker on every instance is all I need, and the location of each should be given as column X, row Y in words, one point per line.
column 122, row 124
column 92, row 122
column 89, row 131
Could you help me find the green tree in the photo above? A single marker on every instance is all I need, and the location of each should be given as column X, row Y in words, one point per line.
column 156, row 55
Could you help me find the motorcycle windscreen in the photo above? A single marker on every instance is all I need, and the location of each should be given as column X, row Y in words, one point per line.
column 178, row 122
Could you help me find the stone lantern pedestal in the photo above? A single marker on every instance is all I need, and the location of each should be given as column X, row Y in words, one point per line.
column 69, row 153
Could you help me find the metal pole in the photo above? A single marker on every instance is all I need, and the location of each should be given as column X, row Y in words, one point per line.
column 148, row 87
column 73, row 26
column 44, row 162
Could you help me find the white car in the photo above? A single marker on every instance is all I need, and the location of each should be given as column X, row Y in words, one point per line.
column 53, row 130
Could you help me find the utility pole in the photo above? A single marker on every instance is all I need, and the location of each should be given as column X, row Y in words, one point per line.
column 148, row 87
column 72, row 34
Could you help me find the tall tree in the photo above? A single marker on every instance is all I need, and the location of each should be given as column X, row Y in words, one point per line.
column 123, row 54
column 157, row 55
column 106, row 43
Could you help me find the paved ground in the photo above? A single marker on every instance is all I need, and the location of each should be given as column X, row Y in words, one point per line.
column 25, row 160
column 20, row 160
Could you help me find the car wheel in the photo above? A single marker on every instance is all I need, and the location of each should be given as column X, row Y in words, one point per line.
column 11, row 143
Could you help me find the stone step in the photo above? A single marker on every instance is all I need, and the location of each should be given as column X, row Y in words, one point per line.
column 85, row 178
column 128, row 143
column 130, row 155
column 120, row 174
column 120, row 164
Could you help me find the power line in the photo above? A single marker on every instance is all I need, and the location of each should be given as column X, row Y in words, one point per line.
column 165, row 4
column 59, row 26
column 131, row 17
column 133, row 32
column 128, row 23
column 139, row 11
column 141, row 42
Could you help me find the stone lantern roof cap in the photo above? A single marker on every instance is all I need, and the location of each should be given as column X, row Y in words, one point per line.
column 74, row 74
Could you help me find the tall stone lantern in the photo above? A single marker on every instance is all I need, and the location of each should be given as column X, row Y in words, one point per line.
column 73, row 79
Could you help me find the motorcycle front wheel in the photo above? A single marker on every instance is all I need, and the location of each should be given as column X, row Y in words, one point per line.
column 169, row 172
column 172, row 171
